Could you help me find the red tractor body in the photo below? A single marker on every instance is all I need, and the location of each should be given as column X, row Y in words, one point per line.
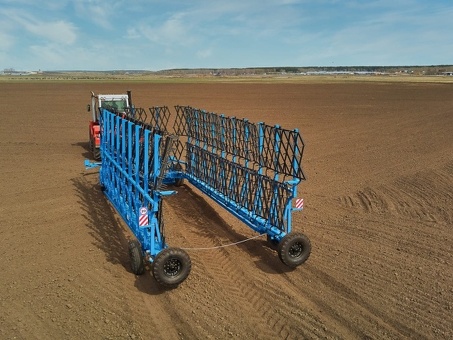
column 117, row 102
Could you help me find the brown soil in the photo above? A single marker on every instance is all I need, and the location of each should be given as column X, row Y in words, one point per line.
column 378, row 212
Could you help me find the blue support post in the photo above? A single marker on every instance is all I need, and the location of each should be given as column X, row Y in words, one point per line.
column 129, row 173
column 248, row 176
column 251, row 170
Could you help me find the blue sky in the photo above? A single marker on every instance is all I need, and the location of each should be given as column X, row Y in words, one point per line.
column 156, row 35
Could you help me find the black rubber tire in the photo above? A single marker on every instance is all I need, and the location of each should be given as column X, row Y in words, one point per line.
column 136, row 257
column 97, row 154
column 294, row 249
column 171, row 267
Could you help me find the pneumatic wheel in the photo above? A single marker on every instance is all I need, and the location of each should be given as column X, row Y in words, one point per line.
column 136, row 257
column 294, row 249
column 171, row 267
column 97, row 153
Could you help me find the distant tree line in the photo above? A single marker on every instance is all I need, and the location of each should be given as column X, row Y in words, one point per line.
column 422, row 70
column 260, row 71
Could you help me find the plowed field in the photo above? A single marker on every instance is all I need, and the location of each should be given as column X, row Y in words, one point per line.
column 378, row 212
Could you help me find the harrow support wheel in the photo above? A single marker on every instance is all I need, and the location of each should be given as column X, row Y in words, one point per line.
column 136, row 257
column 171, row 267
column 294, row 249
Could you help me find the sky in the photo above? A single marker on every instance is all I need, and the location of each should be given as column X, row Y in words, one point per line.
column 156, row 35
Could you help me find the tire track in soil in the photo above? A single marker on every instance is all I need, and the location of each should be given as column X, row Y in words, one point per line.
column 409, row 197
column 303, row 308
column 363, row 255
column 109, row 238
column 418, row 214
column 355, row 287
column 349, row 294
column 157, row 307
column 419, row 303
column 349, row 298
column 110, row 235
column 261, row 304
column 219, row 264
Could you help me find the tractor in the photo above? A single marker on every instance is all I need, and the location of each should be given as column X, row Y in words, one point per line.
column 115, row 102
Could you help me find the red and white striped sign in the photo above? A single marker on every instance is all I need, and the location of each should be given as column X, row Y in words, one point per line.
column 299, row 203
column 143, row 218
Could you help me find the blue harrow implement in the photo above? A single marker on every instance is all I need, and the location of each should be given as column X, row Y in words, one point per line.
column 251, row 170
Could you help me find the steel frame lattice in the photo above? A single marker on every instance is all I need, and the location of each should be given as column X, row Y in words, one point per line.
column 135, row 159
column 250, row 169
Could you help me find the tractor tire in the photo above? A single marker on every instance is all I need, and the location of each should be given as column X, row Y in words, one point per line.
column 136, row 257
column 294, row 249
column 97, row 154
column 171, row 267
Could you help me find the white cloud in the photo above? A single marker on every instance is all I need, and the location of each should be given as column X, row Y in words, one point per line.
column 99, row 12
column 47, row 4
column 74, row 58
column 75, row 34
column 107, row 14
column 176, row 30
column 6, row 41
column 390, row 34
column 59, row 31
column 49, row 54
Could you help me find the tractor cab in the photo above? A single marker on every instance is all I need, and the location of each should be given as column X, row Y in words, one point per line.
column 113, row 102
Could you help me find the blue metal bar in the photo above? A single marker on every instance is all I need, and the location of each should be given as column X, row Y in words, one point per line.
column 129, row 177
column 245, row 173
column 251, row 170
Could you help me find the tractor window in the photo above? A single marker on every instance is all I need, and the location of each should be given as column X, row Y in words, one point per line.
column 119, row 105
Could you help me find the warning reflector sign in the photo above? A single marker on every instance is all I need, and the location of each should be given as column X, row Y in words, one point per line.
column 299, row 203
column 143, row 217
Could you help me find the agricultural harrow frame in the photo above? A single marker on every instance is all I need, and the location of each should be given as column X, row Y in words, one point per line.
column 251, row 170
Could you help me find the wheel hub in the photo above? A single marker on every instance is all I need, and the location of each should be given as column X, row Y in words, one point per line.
column 172, row 267
column 296, row 249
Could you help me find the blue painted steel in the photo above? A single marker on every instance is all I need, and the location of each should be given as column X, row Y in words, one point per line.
column 252, row 170
column 132, row 166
